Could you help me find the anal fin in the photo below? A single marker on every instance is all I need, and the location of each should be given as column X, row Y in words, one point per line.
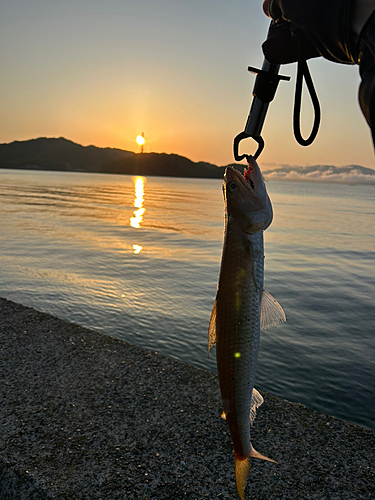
column 212, row 329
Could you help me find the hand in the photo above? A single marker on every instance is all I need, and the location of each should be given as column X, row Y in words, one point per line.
column 310, row 28
column 287, row 44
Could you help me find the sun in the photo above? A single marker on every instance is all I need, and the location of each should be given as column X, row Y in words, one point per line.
column 140, row 140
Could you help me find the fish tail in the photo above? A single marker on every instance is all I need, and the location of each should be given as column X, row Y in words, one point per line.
column 242, row 469
column 255, row 454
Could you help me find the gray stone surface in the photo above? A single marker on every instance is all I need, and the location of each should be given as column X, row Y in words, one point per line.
column 87, row 416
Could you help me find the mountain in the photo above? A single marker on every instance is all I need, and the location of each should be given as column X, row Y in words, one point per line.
column 170, row 165
column 57, row 154
column 61, row 154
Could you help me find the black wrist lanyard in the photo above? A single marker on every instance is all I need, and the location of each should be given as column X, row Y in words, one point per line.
column 264, row 91
column 303, row 72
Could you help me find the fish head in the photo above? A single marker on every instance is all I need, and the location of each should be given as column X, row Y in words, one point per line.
column 246, row 198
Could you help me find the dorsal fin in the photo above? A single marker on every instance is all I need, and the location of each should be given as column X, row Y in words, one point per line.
column 271, row 312
column 256, row 401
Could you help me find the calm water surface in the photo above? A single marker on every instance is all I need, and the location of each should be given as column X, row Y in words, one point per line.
column 139, row 259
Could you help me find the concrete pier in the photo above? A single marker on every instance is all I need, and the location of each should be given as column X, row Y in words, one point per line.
column 87, row 416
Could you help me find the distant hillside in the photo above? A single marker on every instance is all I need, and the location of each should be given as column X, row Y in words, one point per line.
column 61, row 154
column 170, row 165
column 57, row 154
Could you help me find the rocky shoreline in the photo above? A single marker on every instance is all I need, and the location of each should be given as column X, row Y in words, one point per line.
column 87, row 416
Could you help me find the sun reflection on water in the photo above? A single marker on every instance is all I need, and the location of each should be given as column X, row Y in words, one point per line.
column 137, row 249
column 139, row 187
column 137, row 220
column 139, row 199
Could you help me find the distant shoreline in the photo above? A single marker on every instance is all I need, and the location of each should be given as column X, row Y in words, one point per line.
column 27, row 169
column 62, row 155
column 268, row 179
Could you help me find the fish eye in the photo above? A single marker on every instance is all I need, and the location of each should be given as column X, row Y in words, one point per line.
column 232, row 186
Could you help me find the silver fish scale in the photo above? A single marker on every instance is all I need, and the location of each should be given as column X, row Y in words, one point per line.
column 237, row 328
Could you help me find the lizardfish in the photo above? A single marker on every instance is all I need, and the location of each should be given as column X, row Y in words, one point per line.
column 242, row 308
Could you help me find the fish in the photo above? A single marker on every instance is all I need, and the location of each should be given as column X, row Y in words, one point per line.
column 242, row 307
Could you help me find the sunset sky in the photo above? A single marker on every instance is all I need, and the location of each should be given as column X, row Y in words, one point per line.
column 102, row 72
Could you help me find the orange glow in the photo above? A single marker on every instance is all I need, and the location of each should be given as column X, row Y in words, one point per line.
column 137, row 220
column 139, row 189
column 140, row 140
column 139, row 198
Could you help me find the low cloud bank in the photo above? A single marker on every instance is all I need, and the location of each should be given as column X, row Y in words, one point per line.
column 349, row 174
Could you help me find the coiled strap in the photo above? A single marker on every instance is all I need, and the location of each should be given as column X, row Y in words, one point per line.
column 303, row 72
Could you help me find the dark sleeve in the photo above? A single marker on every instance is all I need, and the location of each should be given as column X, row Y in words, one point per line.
column 367, row 71
column 325, row 24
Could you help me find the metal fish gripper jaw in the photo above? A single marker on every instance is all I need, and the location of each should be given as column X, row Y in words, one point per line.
column 264, row 91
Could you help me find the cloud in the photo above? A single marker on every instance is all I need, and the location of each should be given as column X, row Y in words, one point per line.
column 349, row 174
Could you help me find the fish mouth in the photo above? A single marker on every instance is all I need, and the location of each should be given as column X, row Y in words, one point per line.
column 249, row 177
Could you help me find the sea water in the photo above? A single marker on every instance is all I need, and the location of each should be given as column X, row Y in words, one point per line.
column 138, row 258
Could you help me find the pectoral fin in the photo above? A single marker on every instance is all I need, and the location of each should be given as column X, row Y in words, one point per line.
column 212, row 329
column 271, row 312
